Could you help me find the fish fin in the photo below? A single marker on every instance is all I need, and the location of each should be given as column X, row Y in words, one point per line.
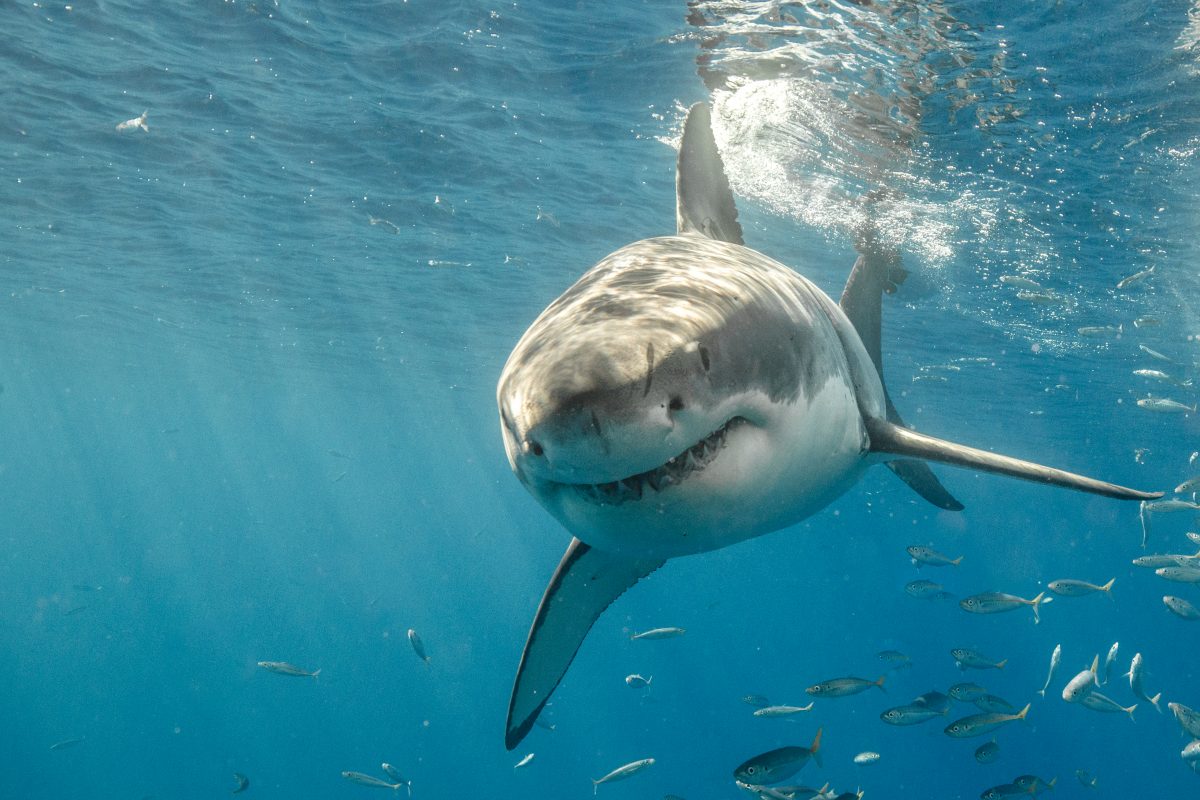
column 1042, row 692
column 879, row 683
column 1001, row 664
column 703, row 200
column 815, row 748
column 1107, row 588
column 1130, row 711
column 956, row 561
column 887, row 437
column 1024, row 712
column 1154, row 702
column 1035, row 602
column 595, row 786
column 876, row 272
column 585, row 583
column 317, row 674
column 1095, row 670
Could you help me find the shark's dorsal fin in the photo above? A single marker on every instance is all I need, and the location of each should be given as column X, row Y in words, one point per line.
column 703, row 199
column 875, row 273
column 586, row 582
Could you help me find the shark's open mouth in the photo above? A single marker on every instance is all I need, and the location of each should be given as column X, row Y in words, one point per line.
column 673, row 472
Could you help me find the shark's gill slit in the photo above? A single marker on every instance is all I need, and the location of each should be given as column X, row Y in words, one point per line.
column 674, row 471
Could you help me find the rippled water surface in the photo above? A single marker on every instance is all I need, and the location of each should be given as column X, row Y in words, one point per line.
column 248, row 359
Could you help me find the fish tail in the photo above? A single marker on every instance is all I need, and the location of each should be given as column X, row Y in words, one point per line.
column 879, row 683
column 956, row 561
column 1154, row 702
column 1023, row 712
column 408, row 785
column 1107, row 588
column 1035, row 602
column 1001, row 664
column 1096, row 670
column 1130, row 710
column 595, row 787
column 815, row 748
column 1053, row 781
column 316, row 673
column 1042, row 692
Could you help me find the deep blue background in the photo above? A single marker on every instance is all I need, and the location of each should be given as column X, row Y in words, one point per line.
column 258, row 426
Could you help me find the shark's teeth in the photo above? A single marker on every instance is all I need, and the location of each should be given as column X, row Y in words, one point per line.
column 676, row 470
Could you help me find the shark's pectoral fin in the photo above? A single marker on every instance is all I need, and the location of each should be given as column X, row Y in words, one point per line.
column 921, row 480
column 889, row 438
column 586, row 582
column 704, row 201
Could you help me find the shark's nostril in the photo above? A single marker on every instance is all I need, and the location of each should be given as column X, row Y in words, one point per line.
column 534, row 448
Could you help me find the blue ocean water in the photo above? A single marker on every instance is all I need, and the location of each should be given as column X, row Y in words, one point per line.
column 248, row 361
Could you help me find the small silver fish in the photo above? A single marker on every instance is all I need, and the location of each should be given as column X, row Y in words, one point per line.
column 1055, row 660
column 926, row 590
column 912, row 714
column 1020, row 282
column 1136, row 277
column 395, row 775
column 1182, row 608
column 417, row 645
column 844, row 687
column 1109, row 660
column 1135, row 675
column 867, row 757
column 636, row 681
column 1147, row 322
column 1159, row 375
column 997, row 602
column 1165, row 560
column 1069, row 587
column 1002, row 792
column 1169, row 505
column 979, row 724
column 927, row 555
column 1191, row 754
column 1098, row 702
column 137, row 123
column 756, row 700
column 1189, row 486
column 1179, row 574
column 241, row 783
column 524, row 761
column 782, row 711
column 1083, row 683
column 987, row 752
column 1088, row 781
column 967, row 692
column 622, row 772
column 1188, row 719
column 65, row 743
column 367, row 780
column 1038, row 298
column 1033, row 784
column 1165, row 405
column 1155, row 354
column 659, row 633
column 1100, row 330
column 965, row 658
column 284, row 668
column 894, row 658
column 778, row 764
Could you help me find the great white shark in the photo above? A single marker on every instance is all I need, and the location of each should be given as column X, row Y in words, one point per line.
column 688, row 393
